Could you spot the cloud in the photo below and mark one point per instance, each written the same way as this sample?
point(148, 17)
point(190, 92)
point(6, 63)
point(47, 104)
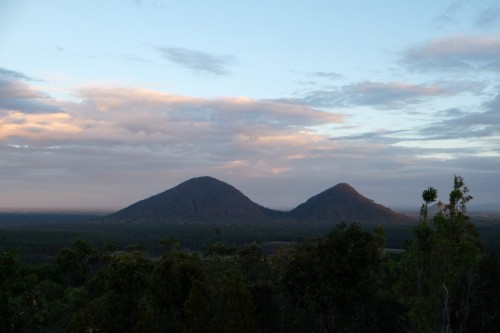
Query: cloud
point(114, 117)
point(379, 136)
point(456, 124)
point(199, 62)
point(10, 74)
point(18, 96)
point(458, 53)
point(391, 95)
point(484, 14)
point(118, 145)
point(448, 17)
point(327, 75)
point(177, 108)
point(488, 17)
point(443, 21)
point(318, 79)
point(31, 129)
point(450, 134)
point(276, 168)
point(114, 133)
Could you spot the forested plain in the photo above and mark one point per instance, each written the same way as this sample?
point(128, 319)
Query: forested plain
point(68, 273)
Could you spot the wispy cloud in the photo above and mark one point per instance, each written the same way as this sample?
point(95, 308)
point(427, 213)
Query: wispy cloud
point(458, 131)
point(199, 62)
point(484, 14)
point(488, 17)
point(318, 79)
point(458, 53)
point(10, 74)
point(391, 95)
point(455, 124)
point(448, 17)
point(326, 75)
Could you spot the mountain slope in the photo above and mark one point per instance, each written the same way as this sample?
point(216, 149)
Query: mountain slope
point(343, 203)
point(202, 199)
point(208, 200)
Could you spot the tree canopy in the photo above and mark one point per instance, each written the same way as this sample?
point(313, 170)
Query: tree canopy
point(344, 281)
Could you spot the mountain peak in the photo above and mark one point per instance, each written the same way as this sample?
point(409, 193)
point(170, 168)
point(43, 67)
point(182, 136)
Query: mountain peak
point(343, 203)
point(204, 184)
point(208, 200)
point(200, 199)
point(202, 180)
point(344, 187)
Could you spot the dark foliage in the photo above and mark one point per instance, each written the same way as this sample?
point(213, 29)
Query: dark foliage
point(344, 281)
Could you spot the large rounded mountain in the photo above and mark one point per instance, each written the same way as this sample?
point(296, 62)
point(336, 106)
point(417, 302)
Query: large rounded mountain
point(343, 203)
point(198, 200)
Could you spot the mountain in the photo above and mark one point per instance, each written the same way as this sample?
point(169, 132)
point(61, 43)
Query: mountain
point(343, 203)
point(198, 200)
point(208, 200)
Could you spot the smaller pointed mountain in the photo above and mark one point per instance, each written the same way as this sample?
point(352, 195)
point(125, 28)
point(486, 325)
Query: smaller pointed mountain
point(343, 203)
point(198, 200)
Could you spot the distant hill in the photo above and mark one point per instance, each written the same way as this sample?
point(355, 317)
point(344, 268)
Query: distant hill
point(343, 203)
point(198, 200)
point(208, 200)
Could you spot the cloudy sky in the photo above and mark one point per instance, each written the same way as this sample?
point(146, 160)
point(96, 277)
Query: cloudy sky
point(103, 103)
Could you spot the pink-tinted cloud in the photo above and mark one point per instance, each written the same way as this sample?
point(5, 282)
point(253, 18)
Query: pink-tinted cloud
point(128, 117)
point(118, 145)
point(114, 133)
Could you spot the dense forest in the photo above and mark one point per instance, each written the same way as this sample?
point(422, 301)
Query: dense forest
point(444, 281)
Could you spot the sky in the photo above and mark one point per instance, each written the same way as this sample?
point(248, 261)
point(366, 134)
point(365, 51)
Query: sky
point(107, 102)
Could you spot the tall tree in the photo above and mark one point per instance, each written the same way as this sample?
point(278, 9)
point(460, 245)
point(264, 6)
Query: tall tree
point(440, 269)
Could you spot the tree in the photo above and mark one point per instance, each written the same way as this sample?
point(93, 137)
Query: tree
point(440, 270)
point(170, 287)
point(229, 282)
point(117, 291)
point(333, 283)
point(231, 301)
point(197, 309)
point(78, 263)
point(459, 197)
point(8, 269)
point(429, 196)
point(256, 270)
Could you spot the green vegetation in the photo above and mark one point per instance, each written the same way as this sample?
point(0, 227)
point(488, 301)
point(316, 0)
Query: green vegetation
point(214, 278)
point(445, 280)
